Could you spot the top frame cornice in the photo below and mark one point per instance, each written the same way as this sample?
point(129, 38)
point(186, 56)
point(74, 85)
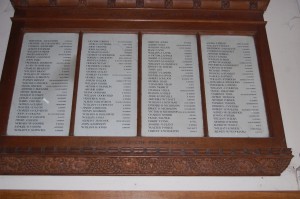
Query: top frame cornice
point(158, 4)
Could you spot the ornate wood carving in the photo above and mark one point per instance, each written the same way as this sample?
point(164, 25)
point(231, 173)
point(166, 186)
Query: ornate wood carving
point(253, 5)
point(111, 3)
point(168, 3)
point(139, 3)
point(53, 2)
point(19, 2)
point(225, 4)
point(197, 4)
point(82, 2)
point(143, 161)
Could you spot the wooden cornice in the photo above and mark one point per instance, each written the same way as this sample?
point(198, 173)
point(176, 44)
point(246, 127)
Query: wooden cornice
point(158, 4)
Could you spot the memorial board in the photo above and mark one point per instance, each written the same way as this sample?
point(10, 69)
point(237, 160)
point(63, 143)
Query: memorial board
point(42, 99)
point(234, 98)
point(146, 64)
point(171, 99)
point(107, 91)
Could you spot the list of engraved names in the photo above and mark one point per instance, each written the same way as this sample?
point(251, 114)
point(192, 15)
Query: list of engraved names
point(235, 103)
point(107, 91)
point(43, 91)
point(171, 99)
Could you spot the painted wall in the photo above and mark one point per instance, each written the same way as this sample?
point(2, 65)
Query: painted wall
point(283, 29)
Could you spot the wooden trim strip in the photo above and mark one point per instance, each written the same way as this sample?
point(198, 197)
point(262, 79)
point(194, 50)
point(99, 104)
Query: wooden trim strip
point(202, 86)
point(165, 4)
point(149, 194)
point(139, 92)
point(76, 79)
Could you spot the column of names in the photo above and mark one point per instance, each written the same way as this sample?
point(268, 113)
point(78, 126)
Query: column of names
point(235, 103)
point(171, 100)
point(43, 91)
point(107, 91)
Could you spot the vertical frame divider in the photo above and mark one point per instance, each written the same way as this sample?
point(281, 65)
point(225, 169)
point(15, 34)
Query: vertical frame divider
point(8, 81)
point(75, 90)
point(139, 94)
point(202, 86)
point(262, 73)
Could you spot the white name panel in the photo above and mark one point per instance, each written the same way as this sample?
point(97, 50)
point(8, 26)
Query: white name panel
point(171, 99)
point(107, 91)
point(42, 98)
point(234, 98)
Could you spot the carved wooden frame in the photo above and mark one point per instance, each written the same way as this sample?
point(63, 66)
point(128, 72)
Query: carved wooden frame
point(143, 156)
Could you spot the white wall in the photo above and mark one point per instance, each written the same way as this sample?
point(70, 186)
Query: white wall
point(283, 29)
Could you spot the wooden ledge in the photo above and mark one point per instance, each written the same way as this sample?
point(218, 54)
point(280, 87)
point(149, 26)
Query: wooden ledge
point(148, 194)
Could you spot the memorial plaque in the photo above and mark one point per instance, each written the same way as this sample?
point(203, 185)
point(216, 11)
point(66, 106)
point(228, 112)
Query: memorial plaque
point(171, 99)
point(42, 98)
point(234, 98)
point(107, 91)
point(138, 74)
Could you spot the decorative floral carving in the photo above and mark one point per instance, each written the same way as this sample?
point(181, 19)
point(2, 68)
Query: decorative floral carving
point(196, 3)
point(204, 164)
point(19, 2)
point(225, 4)
point(111, 3)
point(139, 3)
point(253, 5)
point(82, 3)
point(245, 165)
point(268, 165)
point(168, 3)
point(53, 2)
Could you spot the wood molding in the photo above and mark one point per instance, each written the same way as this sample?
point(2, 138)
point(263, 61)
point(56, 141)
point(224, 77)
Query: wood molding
point(167, 4)
point(149, 194)
point(143, 161)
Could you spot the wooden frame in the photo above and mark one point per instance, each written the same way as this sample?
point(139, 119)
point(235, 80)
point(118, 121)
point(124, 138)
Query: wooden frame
point(143, 155)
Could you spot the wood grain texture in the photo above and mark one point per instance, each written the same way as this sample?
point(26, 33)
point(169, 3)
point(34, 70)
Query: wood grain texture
point(148, 194)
